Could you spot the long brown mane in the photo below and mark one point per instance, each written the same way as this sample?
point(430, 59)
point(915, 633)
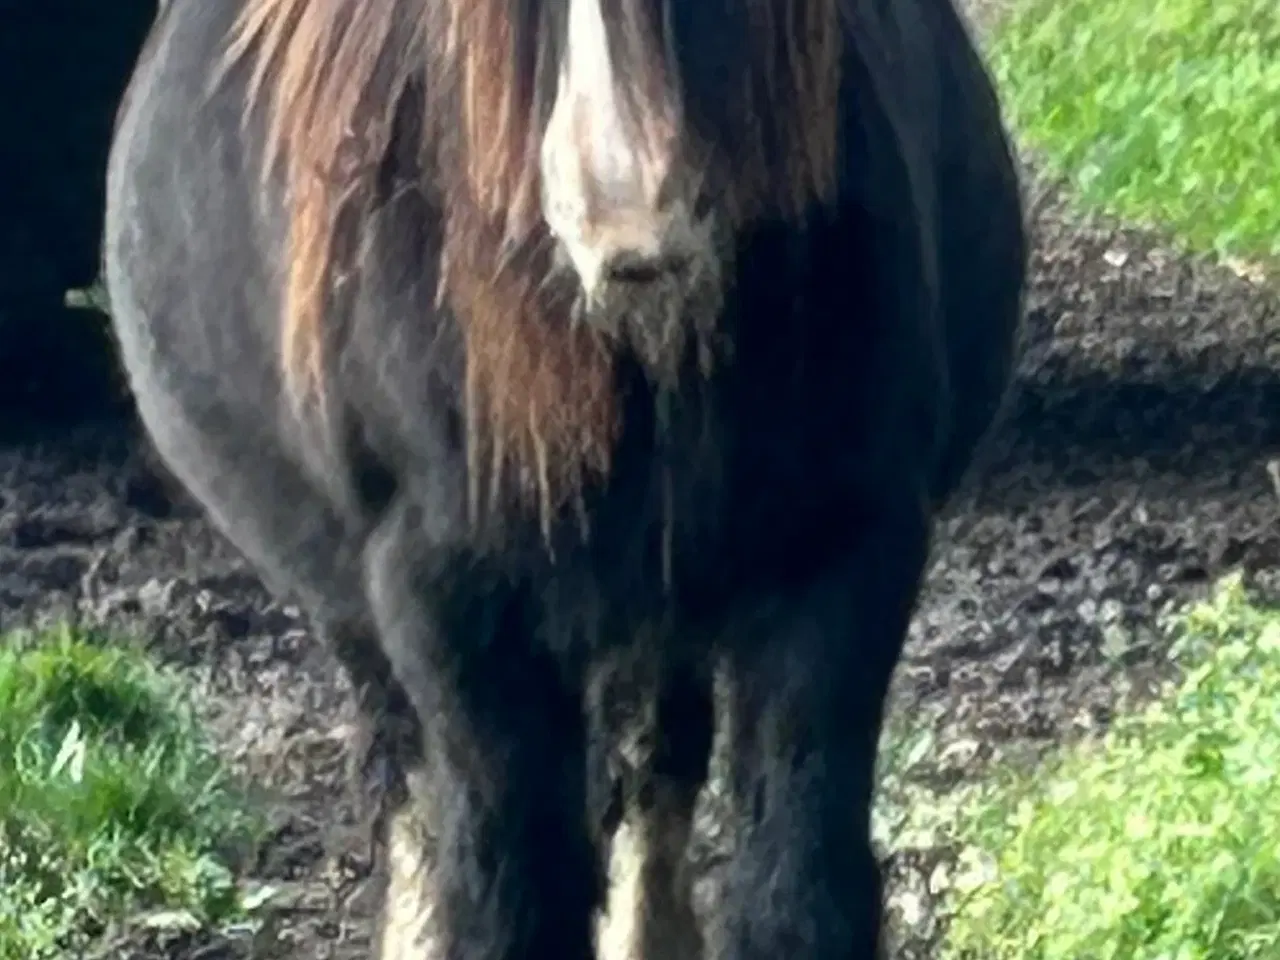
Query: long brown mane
point(333, 76)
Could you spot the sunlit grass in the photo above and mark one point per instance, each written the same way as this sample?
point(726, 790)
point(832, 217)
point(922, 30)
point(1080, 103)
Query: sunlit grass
point(1160, 841)
point(112, 805)
point(1163, 112)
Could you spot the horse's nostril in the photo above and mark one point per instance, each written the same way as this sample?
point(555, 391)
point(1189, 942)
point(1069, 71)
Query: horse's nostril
point(636, 268)
point(635, 271)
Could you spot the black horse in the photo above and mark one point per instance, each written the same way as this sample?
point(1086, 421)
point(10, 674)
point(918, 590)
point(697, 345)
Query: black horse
point(550, 351)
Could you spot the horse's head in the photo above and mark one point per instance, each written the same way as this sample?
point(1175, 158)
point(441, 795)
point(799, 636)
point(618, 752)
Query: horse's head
point(672, 123)
point(594, 161)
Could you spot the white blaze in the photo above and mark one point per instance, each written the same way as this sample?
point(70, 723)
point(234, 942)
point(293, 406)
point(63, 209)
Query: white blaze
point(600, 173)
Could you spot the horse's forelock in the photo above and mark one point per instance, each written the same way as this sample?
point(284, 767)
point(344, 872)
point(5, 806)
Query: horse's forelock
point(775, 117)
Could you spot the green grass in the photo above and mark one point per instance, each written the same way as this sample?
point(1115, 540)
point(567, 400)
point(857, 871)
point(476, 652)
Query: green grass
point(112, 806)
point(1160, 841)
point(1163, 112)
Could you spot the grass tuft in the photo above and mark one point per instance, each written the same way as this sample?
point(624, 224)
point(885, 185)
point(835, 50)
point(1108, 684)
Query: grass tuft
point(1160, 841)
point(112, 804)
point(1162, 112)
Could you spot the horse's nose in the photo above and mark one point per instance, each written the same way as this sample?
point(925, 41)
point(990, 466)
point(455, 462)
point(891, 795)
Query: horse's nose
point(613, 214)
point(609, 163)
point(619, 226)
point(635, 266)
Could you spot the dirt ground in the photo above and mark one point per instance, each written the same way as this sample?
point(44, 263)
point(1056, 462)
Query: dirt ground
point(1131, 471)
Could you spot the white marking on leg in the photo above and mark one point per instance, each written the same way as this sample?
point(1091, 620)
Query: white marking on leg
point(649, 913)
point(408, 928)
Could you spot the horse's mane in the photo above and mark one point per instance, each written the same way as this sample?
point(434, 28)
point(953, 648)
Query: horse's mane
point(335, 75)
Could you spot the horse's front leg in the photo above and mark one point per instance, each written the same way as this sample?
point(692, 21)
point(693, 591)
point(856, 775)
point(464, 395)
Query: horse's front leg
point(808, 672)
point(502, 792)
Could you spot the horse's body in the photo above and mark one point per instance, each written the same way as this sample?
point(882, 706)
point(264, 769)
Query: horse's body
point(498, 513)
